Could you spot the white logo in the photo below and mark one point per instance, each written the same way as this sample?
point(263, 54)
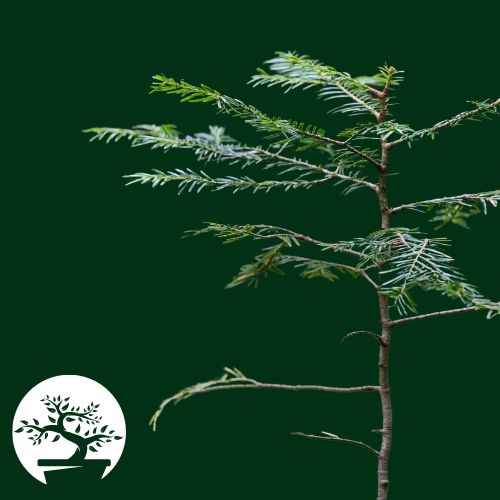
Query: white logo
point(69, 428)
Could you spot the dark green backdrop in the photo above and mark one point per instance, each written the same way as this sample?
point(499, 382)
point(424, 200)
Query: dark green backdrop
point(97, 281)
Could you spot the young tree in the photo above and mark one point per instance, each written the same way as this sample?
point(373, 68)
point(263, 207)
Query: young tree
point(393, 260)
point(61, 412)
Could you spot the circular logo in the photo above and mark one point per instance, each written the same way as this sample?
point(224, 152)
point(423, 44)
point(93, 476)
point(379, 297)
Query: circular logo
point(69, 429)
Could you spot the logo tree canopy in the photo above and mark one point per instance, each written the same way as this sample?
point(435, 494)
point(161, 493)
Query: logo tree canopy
point(80, 426)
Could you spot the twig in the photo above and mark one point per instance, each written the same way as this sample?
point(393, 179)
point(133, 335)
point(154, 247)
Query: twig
point(448, 199)
point(303, 237)
point(325, 171)
point(443, 124)
point(331, 437)
point(435, 314)
point(344, 145)
point(373, 111)
point(354, 270)
point(363, 332)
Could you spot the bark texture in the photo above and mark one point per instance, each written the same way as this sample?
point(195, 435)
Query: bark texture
point(385, 319)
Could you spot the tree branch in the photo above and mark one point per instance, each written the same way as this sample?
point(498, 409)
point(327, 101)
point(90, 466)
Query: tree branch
point(344, 145)
point(461, 199)
point(190, 180)
point(231, 233)
point(332, 437)
point(97, 437)
point(234, 379)
point(435, 314)
point(325, 171)
point(55, 405)
point(60, 411)
point(484, 108)
point(248, 113)
point(262, 385)
point(364, 332)
point(82, 415)
point(335, 265)
point(346, 91)
point(39, 429)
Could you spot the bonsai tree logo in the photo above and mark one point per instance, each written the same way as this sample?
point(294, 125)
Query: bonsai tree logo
point(73, 432)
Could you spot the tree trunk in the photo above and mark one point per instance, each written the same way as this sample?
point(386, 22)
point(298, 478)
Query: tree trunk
point(385, 390)
point(385, 398)
point(80, 453)
point(78, 441)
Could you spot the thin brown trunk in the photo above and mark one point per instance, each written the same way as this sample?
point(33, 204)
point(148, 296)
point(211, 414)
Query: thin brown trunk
point(385, 318)
point(385, 397)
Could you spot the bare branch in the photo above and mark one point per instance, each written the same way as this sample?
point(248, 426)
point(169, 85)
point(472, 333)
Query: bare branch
point(326, 436)
point(234, 379)
point(438, 313)
point(363, 332)
point(286, 387)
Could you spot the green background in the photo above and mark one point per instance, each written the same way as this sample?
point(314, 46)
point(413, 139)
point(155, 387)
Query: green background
point(97, 281)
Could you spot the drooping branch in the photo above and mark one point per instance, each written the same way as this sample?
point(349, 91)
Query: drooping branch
point(235, 379)
point(326, 436)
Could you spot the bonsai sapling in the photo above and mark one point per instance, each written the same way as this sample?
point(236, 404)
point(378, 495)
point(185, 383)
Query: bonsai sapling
point(393, 260)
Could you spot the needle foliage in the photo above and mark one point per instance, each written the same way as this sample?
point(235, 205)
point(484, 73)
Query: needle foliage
point(393, 259)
